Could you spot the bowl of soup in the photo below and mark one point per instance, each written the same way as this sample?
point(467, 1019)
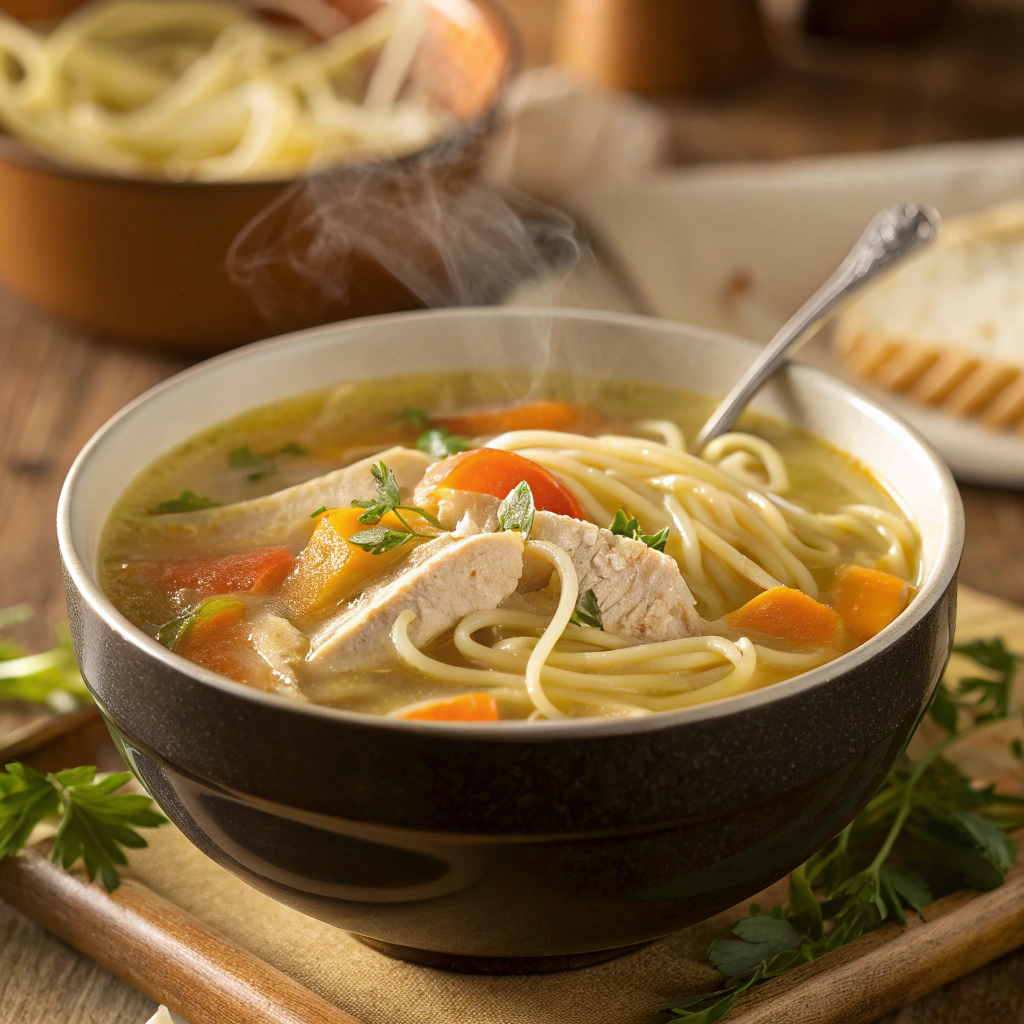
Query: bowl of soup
point(430, 626)
point(197, 176)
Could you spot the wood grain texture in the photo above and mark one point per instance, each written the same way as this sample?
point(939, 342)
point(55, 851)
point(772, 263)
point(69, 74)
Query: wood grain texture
point(57, 387)
point(159, 949)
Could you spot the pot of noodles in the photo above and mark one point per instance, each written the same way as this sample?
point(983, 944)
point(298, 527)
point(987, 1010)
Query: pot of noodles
point(197, 174)
point(432, 627)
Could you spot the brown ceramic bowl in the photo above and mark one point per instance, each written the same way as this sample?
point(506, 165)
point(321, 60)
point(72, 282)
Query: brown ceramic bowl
point(207, 266)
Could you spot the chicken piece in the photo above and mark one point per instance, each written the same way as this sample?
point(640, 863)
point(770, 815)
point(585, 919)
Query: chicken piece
point(283, 518)
point(282, 647)
point(467, 513)
point(640, 592)
point(444, 580)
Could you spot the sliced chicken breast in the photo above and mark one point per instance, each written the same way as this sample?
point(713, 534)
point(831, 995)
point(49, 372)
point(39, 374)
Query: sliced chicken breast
point(441, 582)
point(641, 592)
point(284, 516)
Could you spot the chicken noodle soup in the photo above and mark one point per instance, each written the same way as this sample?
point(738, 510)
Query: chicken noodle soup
point(430, 548)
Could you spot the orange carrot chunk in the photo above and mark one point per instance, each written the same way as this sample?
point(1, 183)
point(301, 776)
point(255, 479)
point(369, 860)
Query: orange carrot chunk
point(788, 614)
point(260, 571)
point(210, 634)
point(497, 472)
point(526, 416)
point(467, 707)
point(867, 600)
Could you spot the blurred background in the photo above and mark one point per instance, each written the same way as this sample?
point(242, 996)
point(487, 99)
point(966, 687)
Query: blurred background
point(180, 178)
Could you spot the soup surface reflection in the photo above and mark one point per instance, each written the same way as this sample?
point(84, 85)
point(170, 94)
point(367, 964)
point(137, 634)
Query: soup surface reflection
point(462, 548)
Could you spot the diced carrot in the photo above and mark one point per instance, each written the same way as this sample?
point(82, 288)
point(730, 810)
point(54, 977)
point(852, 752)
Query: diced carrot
point(329, 569)
point(867, 600)
point(497, 472)
point(788, 614)
point(467, 707)
point(525, 416)
point(260, 571)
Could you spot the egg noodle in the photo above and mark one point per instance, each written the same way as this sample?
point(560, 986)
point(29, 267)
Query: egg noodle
point(209, 90)
point(732, 530)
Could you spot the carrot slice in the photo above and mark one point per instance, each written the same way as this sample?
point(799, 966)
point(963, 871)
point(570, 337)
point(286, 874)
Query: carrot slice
point(526, 416)
point(789, 614)
point(467, 707)
point(867, 600)
point(497, 472)
point(260, 571)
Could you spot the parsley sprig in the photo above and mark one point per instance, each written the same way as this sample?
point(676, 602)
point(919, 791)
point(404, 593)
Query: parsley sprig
point(587, 612)
point(45, 678)
point(517, 510)
point(187, 501)
point(388, 500)
point(927, 832)
point(262, 466)
point(95, 821)
point(629, 526)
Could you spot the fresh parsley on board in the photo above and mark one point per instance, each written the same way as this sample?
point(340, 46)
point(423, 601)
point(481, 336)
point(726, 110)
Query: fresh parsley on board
point(927, 832)
point(95, 822)
point(45, 678)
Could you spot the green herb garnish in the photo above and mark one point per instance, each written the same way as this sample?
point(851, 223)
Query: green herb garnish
point(927, 832)
point(388, 500)
point(319, 512)
point(41, 678)
point(587, 613)
point(172, 633)
point(262, 465)
point(187, 501)
point(414, 419)
point(440, 443)
point(516, 512)
point(95, 820)
point(629, 526)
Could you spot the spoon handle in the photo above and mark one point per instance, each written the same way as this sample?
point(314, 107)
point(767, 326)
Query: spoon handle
point(893, 235)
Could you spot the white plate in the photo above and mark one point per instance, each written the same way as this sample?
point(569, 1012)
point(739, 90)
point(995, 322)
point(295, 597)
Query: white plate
point(738, 247)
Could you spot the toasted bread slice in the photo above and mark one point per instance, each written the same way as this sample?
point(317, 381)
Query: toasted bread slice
point(948, 328)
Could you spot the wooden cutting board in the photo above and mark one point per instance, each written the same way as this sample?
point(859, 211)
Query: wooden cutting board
point(171, 953)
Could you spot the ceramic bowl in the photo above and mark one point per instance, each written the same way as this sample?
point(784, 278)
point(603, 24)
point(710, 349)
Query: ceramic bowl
point(202, 267)
point(514, 846)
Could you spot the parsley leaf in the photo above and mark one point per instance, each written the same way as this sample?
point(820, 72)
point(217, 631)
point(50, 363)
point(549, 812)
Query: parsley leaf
point(929, 831)
point(187, 501)
point(262, 465)
point(440, 443)
point(294, 448)
point(319, 512)
point(629, 526)
point(379, 539)
point(96, 822)
point(516, 512)
point(387, 501)
point(44, 678)
point(587, 612)
point(414, 418)
point(243, 458)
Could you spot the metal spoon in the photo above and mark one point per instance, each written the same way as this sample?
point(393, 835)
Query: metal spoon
point(893, 235)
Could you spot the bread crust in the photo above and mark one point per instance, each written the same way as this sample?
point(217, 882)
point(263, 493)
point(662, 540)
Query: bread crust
point(944, 376)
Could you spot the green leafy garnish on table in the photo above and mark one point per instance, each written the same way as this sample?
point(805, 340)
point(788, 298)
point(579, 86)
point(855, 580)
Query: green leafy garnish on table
point(388, 500)
point(187, 501)
point(37, 677)
point(927, 832)
point(629, 526)
point(94, 821)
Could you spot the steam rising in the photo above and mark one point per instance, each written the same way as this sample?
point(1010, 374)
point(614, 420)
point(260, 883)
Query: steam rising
point(441, 240)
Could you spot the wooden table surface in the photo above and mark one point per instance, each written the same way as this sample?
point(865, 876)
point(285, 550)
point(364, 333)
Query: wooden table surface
point(57, 386)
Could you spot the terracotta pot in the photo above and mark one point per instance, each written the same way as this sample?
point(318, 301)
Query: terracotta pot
point(205, 267)
point(660, 46)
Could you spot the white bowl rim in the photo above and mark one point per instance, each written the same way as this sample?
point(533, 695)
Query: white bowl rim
point(931, 590)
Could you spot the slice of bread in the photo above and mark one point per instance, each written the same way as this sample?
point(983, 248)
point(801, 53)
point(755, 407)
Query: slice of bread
point(948, 328)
